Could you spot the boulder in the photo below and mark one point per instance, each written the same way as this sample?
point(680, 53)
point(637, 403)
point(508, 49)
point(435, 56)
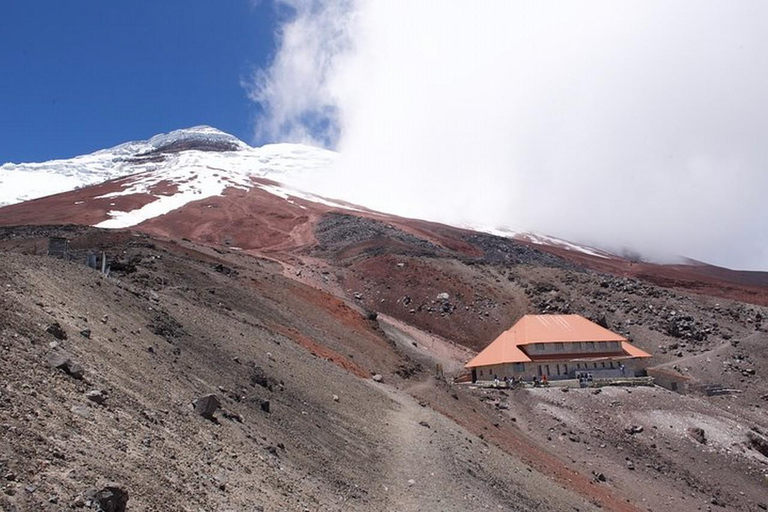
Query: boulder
point(112, 498)
point(377, 378)
point(758, 441)
point(260, 378)
point(63, 362)
point(97, 395)
point(697, 434)
point(206, 405)
point(57, 331)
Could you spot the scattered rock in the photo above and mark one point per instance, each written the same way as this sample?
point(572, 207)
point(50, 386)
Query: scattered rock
point(630, 465)
point(233, 416)
point(97, 395)
point(634, 429)
point(265, 405)
point(81, 410)
point(600, 477)
point(57, 331)
point(758, 441)
point(259, 377)
point(377, 378)
point(697, 434)
point(63, 362)
point(86, 333)
point(111, 498)
point(443, 296)
point(335, 398)
point(206, 405)
point(424, 424)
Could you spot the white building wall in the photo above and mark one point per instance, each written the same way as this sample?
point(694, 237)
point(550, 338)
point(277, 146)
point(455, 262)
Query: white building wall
point(566, 369)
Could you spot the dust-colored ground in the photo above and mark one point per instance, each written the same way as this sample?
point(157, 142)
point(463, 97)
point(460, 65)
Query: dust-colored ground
point(180, 321)
point(303, 318)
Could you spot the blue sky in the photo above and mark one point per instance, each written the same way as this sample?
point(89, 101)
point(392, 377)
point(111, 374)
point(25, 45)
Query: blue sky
point(88, 74)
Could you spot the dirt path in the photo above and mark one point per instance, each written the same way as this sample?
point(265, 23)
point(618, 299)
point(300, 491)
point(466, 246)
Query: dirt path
point(433, 464)
point(426, 346)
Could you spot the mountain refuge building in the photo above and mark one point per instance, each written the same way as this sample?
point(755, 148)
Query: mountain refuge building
point(560, 347)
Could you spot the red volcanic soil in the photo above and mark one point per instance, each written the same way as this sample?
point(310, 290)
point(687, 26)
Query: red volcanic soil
point(82, 206)
point(259, 222)
point(247, 219)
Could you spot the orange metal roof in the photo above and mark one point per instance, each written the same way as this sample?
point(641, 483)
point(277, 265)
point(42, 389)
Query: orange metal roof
point(546, 329)
point(633, 350)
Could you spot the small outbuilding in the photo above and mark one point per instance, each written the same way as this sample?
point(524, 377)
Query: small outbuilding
point(558, 347)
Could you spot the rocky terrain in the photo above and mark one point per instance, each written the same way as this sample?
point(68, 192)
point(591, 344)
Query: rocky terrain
point(256, 350)
point(321, 360)
point(100, 375)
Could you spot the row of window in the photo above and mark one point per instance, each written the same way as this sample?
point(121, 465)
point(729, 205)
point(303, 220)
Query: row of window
point(545, 369)
point(581, 347)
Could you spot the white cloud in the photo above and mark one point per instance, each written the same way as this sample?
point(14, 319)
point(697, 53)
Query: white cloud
point(636, 124)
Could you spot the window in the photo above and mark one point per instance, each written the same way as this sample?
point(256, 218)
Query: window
point(576, 346)
point(519, 367)
point(481, 373)
point(603, 364)
point(539, 347)
point(559, 347)
point(590, 345)
point(615, 345)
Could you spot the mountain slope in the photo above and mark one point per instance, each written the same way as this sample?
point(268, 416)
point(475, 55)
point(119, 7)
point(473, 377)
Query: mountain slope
point(225, 280)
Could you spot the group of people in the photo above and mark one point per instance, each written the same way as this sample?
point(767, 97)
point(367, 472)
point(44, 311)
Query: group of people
point(585, 378)
point(505, 382)
point(508, 382)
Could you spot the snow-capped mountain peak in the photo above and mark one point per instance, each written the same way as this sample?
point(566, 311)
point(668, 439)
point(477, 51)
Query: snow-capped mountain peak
point(199, 147)
point(201, 138)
